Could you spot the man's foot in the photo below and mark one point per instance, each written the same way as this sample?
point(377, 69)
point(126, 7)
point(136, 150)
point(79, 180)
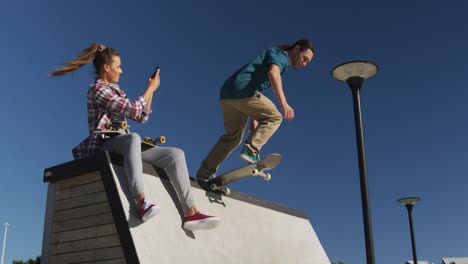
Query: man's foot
point(249, 157)
point(148, 210)
point(208, 178)
point(204, 183)
point(201, 221)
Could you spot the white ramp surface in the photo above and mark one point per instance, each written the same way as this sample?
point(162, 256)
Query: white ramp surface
point(252, 230)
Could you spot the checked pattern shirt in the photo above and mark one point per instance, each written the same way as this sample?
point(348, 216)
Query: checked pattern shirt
point(107, 103)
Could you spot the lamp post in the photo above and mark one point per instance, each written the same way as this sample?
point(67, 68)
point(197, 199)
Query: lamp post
point(4, 241)
point(354, 73)
point(409, 202)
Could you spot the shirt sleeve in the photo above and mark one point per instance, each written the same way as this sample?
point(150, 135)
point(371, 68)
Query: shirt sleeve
point(278, 57)
point(115, 103)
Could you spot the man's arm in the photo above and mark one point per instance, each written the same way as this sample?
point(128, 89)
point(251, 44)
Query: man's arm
point(274, 74)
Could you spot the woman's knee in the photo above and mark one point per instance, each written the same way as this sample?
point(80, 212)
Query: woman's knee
point(133, 143)
point(176, 154)
point(134, 138)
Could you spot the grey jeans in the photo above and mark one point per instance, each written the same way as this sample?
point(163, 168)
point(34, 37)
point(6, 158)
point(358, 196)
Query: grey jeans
point(171, 160)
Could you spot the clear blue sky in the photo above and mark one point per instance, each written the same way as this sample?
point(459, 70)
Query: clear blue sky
point(414, 110)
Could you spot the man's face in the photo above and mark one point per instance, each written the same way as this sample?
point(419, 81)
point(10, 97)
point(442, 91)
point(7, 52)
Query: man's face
point(301, 58)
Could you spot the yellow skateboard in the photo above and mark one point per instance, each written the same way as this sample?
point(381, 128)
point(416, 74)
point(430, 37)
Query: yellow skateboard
point(119, 128)
point(151, 142)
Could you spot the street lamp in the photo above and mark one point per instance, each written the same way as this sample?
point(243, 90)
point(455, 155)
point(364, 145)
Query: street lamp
point(4, 241)
point(409, 203)
point(354, 73)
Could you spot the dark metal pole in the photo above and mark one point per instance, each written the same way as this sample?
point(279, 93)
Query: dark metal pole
point(409, 207)
point(355, 84)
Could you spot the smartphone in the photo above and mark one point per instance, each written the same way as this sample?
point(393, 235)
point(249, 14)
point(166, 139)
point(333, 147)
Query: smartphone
point(154, 73)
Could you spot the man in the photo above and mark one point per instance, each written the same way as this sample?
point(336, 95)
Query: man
point(241, 98)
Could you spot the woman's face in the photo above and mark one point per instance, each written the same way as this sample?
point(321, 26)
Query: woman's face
point(113, 70)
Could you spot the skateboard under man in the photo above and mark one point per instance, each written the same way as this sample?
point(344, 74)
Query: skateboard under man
point(118, 128)
point(255, 169)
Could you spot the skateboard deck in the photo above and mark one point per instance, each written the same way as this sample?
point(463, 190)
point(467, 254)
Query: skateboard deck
point(254, 169)
point(118, 128)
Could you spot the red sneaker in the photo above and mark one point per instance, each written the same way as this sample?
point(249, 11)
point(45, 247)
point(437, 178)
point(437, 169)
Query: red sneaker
point(148, 210)
point(201, 221)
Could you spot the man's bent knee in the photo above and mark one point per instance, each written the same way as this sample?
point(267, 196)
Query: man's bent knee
point(276, 118)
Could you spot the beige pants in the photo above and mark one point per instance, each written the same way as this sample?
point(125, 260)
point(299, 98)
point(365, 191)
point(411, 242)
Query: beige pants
point(236, 114)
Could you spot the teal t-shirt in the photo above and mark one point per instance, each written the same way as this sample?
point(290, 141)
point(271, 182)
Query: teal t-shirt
point(253, 77)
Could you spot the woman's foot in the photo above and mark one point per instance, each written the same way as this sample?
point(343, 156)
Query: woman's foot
point(201, 221)
point(148, 210)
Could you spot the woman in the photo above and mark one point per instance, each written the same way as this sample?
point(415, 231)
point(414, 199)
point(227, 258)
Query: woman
point(108, 103)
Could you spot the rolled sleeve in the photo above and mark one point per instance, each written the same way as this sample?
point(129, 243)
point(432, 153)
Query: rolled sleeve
point(146, 110)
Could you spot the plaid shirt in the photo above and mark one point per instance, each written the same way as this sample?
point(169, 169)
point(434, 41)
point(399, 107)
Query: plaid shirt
point(107, 103)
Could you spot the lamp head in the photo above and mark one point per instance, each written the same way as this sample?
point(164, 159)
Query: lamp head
point(409, 200)
point(363, 69)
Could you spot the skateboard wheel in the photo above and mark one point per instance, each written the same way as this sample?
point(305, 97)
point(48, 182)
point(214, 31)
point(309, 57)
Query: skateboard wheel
point(267, 177)
point(227, 191)
point(124, 124)
point(162, 139)
point(255, 172)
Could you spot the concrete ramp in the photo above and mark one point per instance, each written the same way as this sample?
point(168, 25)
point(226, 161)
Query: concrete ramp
point(90, 218)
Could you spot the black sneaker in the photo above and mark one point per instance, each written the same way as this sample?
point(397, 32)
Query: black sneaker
point(204, 183)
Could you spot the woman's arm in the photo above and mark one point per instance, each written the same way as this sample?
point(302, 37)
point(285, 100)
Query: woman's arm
point(137, 110)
